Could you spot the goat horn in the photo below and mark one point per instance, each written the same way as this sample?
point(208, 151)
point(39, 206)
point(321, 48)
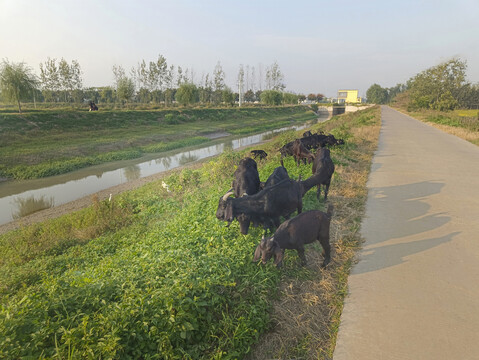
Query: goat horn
point(227, 195)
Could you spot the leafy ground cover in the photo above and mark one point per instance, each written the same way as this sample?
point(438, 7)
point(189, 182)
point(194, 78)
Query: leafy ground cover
point(50, 142)
point(153, 273)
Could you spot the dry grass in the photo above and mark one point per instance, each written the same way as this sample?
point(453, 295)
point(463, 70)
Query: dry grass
point(306, 316)
point(471, 136)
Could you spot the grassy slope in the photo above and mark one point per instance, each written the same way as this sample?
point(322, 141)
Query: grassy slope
point(155, 272)
point(45, 143)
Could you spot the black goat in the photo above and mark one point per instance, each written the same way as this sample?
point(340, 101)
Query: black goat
point(279, 174)
point(246, 178)
point(300, 152)
point(261, 154)
point(265, 207)
point(93, 107)
point(294, 234)
point(323, 169)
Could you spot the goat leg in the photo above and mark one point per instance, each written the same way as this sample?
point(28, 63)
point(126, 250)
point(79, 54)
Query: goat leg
point(326, 251)
point(326, 189)
point(300, 251)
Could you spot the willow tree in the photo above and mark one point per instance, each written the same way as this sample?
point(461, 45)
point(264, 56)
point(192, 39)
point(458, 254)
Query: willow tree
point(17, 82)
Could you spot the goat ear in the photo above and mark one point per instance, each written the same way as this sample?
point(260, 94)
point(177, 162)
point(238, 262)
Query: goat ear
point(229, 211)
point(257, 253)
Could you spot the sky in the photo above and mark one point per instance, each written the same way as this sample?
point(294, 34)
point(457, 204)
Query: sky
point(320, 46)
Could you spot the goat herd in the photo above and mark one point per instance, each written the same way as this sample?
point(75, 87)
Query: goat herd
point(264, 203)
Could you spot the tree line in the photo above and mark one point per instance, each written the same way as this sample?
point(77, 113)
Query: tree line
point(149, 82)
point(443, 87)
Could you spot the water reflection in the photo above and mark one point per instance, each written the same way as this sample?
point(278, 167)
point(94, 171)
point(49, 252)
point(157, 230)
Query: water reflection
point(132, 172)
point(44, 193)
point(165, 161)
point(187, 158)
point(30, 204)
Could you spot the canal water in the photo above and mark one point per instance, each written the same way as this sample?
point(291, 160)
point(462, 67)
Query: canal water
point(21, 198)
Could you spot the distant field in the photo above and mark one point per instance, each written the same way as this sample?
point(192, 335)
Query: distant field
point(50, 142)
point(467, 113)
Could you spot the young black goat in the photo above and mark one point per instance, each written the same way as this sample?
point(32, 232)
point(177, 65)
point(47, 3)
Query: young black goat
point(294, 234)
point(323, 169)
point(261, 154)
point(246, 178)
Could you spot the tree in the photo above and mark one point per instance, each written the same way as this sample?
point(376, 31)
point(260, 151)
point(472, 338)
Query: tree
point(50, 79)
point(228, 96)
point(377, 95)
point(206, 90)
point(118, 73)
point(431, 88)
point(187, 94)
point(169, 79)
point(241, 84)
point(249, 96)
point(125, 89)
point(274, 78)
point(69, 77)
point(468, 96)
point(218, 83)
point(394, 91)
point(271, 97)
point(289, 98)
point(17, 82)
point(107, 94)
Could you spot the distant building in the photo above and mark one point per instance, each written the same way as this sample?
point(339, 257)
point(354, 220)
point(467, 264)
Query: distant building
point(349, 96)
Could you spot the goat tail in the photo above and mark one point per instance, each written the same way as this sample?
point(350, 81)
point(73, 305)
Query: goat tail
point(282, 160)
point(330, 210)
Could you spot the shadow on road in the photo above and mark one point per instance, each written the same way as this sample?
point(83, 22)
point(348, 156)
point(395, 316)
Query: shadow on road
point(398, 222)
point(385, 256)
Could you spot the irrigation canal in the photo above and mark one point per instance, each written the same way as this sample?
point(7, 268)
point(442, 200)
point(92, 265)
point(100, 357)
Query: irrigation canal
point(21, 198)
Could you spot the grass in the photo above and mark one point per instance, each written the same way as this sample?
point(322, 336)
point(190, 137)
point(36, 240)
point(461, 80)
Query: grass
point(154, 274)
point(462, 123)
point(44, 143)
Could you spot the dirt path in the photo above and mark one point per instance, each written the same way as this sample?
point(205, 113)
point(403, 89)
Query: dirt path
point(414, 292)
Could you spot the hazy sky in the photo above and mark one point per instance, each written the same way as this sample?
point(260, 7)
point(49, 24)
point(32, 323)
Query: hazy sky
point(320, 46)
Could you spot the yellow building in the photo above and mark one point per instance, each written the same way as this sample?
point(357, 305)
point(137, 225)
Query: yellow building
point(348, 96)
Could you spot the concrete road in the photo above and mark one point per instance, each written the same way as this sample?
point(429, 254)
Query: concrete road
point(414, 293)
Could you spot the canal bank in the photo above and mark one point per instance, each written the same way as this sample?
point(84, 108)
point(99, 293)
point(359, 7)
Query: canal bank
point(71, 192)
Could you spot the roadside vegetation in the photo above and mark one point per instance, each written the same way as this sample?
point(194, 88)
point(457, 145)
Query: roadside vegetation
point(463, 123)
point(441, 96)
point(154, 274)
point(50, 142)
